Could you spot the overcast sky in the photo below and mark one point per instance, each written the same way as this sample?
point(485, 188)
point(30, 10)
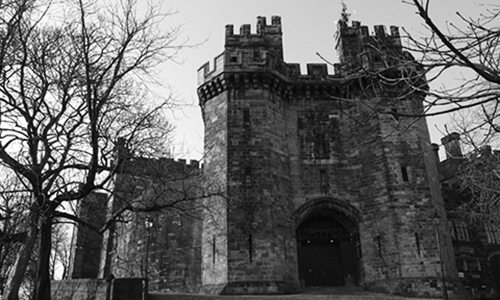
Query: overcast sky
point(308, 27)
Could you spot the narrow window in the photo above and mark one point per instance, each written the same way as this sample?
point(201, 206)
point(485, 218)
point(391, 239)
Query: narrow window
point(284, 250)
point(492, 233)
point(256, 55)
point(323, 181)
point(379, 245)
point(417, 241)
point(473, 265)
point(461, 265)
point(250, 250)
point(259, 78)
point(452, 230)
point(246, 115)
point(248, 171)
point(310, 150)
point(460, 231)
point(213, 249)
point(404, 174)
point(167, 240)
point(248, 175)
point(172, 240)
point(321, 146)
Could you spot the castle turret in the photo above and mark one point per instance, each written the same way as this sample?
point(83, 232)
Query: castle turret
point(357, 49)
point(451, 145)
point(268, 37)
point(245, 241)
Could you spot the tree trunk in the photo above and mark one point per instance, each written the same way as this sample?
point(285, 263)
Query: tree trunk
point(42, 285)
point(11, 291)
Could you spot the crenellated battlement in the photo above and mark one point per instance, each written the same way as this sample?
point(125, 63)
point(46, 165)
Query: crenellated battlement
point(262, 51)
point(166, 162)
point(207, 73)
point(359, 49)
point(268, 62)
point(288, 81)
point(255, 60)
point(270, 73)
point(160, 167)
point(267, 37)
point(262, 28)
point(246, 48)
point(137, 162)
point(380, 34)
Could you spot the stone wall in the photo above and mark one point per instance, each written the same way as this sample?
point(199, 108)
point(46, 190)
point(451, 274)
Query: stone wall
point(261, 237)
point(80, 289)
point(476, 247)
point(160, 237)
point(86, 243)
point(362, 166)
point(98, 289)
point(214, 234)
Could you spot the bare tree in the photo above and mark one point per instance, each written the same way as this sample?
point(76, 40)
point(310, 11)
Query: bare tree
point(478, 181)
point(71, 87)
point(13, 222)
point(423, 62)
point(469, 48)
point(150, 192)
point(60, 258)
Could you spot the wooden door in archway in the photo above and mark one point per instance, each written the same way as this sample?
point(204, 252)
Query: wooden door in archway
point(320, 252)
point(320, 263)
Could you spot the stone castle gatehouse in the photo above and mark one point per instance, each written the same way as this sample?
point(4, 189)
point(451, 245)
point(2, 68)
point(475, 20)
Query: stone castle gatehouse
point(325, 184)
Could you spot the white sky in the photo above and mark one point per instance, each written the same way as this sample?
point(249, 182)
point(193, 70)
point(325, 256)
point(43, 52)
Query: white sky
point(308, 27)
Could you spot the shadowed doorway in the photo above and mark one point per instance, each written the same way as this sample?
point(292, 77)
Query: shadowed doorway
point(326, 253)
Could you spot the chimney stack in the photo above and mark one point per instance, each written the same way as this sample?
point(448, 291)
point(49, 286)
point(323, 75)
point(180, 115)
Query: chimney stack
point(451, 145)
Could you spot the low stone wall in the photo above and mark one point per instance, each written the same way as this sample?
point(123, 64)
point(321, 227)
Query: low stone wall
point(98, 289)
point(127, 289)
point(79, 289)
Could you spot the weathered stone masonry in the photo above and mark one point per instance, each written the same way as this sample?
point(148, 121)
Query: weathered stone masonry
point(316, 164)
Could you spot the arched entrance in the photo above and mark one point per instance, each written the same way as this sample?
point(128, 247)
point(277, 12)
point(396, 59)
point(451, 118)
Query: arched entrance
point(327, 243)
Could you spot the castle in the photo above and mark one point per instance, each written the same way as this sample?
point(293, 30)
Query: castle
point(323, 187)
point(323, 182)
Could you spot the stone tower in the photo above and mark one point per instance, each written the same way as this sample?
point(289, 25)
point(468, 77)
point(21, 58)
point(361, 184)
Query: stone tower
point(325, 182)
